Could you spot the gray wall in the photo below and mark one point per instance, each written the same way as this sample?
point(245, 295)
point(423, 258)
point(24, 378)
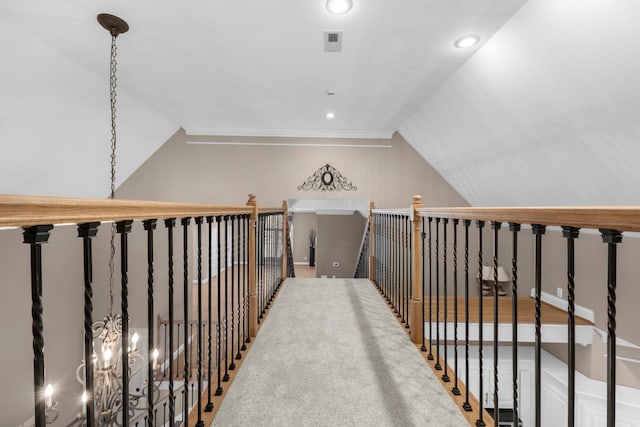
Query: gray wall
point(302, 223)
point(339, 238)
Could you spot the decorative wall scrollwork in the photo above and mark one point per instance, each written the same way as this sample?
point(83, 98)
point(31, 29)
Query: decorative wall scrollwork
point(327, 178)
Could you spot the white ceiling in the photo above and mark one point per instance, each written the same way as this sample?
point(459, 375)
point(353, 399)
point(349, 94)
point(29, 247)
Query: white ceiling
point(246, 67)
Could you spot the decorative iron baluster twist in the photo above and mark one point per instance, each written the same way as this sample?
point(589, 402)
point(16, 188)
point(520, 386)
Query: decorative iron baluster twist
point(238, 284)
point(496, 412)
point(123, 228)
point(611, 238)
point(466, 405)
point(247, 340)
point(226, 377)
point(232, 365)
point(87, 232)
point(480, 421)
point(209, 406)
point(538, 230)
point(170, 224)
point(514, 228)
point(438, 366)
point(423, 235)
point(35, 237)
point(455, 390)
point(430, 355)
point(199, 220)
point(185, 305)
point(445, 221)
point(149, 226)
point(571, 233)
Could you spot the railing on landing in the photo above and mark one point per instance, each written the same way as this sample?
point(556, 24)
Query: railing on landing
point(409, 265)
point(250, 265)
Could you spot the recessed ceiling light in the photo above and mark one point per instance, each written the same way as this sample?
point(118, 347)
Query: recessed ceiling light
point(467, 41)
point(330, 115)
point(339, 7)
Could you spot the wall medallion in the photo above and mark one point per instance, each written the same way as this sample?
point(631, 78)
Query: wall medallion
point(327, 178)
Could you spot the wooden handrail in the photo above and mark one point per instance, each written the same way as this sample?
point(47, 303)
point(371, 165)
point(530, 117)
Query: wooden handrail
point(22, 211)
point(609, 217)
point(270, 210)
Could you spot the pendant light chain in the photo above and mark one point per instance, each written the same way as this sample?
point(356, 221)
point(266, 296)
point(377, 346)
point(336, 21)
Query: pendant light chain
point(113, 84)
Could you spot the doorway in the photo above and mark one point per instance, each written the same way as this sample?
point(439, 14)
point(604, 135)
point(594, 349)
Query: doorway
point(334, 228)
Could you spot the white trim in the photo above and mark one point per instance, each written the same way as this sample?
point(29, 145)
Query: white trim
point(619, 341)
point(301, 263)
point(287, 144)
point(563, 305)
point(304, 133)
point(624, 359)
point(551, 333)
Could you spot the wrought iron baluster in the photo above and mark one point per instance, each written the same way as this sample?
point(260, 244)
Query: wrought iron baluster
point(409, 226)
point(219, 390)
point(571, 233)
point(455, 390)
point(123, 228)
point(514, 228)
point(226, 377)
point(438, 366)
point(149, 226)
point(423, 235)
point(538, 231)
point(239, 283)
point(430, 355)
point(209, 406)
point(87, 232)
point(496, 412)
point(199, 220)
point(185, 305)
point(445, 221)
point(232, 365)
point(480, 421)
point(247, 340)
point(611, 238)
point(35, 237)
point(170, 224)
point(466, 405)
point(407, 266)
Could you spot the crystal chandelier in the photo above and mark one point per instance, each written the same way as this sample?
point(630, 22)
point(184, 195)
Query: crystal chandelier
point(108, 339)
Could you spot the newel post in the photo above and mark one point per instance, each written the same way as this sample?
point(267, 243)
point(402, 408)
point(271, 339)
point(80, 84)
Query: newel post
point(372, 259)
point(415, 307)
point(253, 298)
point(285, 230)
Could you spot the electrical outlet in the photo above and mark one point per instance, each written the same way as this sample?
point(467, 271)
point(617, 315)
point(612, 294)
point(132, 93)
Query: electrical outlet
point(559, 292)
point(336, 264)
point(305, 258)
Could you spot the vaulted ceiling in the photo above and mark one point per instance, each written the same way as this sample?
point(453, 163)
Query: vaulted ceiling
point(541, 112)
point(224, 68)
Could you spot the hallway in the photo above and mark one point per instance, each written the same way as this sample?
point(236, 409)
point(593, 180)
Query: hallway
point(330, 353)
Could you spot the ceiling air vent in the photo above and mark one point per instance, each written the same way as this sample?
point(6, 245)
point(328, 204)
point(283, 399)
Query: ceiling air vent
point(333, 41)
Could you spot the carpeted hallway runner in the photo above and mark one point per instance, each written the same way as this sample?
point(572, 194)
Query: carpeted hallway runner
point(331, 353)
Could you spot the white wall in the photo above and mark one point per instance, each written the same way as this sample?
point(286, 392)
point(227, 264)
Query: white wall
point(545, 112)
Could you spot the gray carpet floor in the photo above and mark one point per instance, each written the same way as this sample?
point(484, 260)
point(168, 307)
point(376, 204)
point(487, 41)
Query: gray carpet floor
point(330, 353)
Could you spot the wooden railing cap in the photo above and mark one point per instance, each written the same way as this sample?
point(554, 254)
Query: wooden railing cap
point(620, 218)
